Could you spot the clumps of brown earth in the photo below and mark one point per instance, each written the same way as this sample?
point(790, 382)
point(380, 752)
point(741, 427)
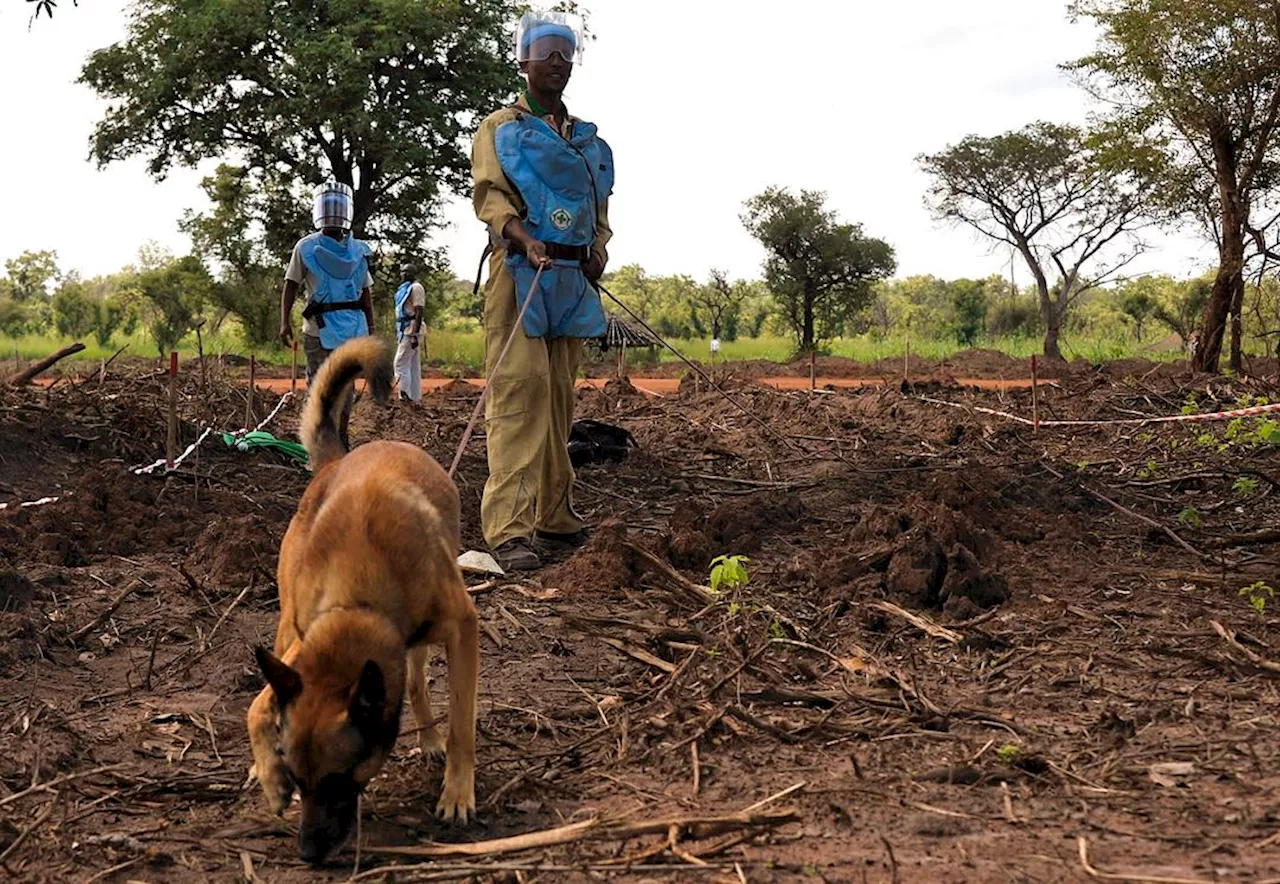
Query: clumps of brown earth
point(107, 513)
point(736, 527)
point(923, 554)
point(235, 552)
point(602, 568)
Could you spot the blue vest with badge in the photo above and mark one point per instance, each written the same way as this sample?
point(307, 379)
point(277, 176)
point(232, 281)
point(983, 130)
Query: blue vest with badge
point(340, 268)
point(562, 182)
point(404, 317)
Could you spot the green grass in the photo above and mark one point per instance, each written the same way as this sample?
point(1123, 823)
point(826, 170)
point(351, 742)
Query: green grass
point(32, 347)
point(460, 349)
point(450, 348)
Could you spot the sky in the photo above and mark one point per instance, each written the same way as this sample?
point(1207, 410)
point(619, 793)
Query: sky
point(704, 102)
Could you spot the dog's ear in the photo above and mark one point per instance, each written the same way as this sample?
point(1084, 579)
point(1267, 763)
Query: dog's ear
point(284, 680)
point(369, 696)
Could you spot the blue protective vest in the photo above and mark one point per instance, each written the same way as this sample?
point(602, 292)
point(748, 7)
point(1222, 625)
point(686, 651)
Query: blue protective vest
point(404, 319)
point(340, 269)
point(562, 182)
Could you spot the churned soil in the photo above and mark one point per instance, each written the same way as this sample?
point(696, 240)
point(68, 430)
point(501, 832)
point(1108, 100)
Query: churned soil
point(965, 652)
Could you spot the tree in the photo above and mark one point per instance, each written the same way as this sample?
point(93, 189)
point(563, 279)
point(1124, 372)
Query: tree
point(1194, 92)
point(715, 305)
point(1046, 193)
point(635, 287)
point(821, 272)
point(1181, 304)
point(74, 308)
point(250, 274)
point(31, 274)
point(380, 94)
point(175, 292)
point(1140, 298)
point(968, 309)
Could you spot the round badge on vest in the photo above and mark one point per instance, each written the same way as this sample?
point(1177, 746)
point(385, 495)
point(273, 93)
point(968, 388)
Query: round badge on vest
point(562, 219)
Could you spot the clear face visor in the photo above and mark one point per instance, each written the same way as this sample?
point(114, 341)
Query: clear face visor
point(332, 207)
point(543, 34)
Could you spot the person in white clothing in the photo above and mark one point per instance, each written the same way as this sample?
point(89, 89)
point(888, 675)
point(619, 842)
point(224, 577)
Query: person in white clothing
point(411, 301)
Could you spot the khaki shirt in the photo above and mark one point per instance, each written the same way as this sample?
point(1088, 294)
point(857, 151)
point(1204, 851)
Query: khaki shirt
point(496, 201)
point(300, 273)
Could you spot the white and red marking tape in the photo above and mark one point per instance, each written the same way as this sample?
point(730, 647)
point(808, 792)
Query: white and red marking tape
point(1130, 421)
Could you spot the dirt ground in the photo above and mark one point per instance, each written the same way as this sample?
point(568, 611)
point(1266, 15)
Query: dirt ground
point(965, 652)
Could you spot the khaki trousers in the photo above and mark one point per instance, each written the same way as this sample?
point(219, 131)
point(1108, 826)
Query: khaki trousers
point(528, 417)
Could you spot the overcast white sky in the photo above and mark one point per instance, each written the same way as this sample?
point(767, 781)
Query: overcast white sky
point(704, 102)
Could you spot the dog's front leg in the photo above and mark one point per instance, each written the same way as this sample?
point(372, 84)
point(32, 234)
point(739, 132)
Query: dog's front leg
point(462, 653)
point(420, 698)
point(267, 765)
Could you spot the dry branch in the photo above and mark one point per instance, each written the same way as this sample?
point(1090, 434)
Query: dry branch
point(1149, 522)
point(702, 594)
point(1254, 658)
point(640, 654)
point(45, 787)
point(25, 377)
point(700, 826)
point(920, 622)
point(1083, 844)
point(101, 618)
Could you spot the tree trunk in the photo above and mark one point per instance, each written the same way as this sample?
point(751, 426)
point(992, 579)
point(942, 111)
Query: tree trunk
point(1051, 349)
point(1230, 279)
point(1228, 283)
point(806, 343)
point(1237, 331)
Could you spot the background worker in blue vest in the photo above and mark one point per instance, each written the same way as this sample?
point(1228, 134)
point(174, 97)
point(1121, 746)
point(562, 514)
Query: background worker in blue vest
point(332, 266)
point(542, 180)
point(411, 302)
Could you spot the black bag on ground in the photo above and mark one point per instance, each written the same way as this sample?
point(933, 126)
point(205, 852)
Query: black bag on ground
point(593, 442)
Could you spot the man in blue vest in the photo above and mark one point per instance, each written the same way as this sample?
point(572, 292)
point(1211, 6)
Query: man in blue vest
point(542, 181)
point(411, 302)
point(332, 268)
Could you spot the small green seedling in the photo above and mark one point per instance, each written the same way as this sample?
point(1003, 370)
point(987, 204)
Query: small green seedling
point(729, 572)
point(1190, 517)
point(1245, 486)
point(1008, 753)
point(1258, 592)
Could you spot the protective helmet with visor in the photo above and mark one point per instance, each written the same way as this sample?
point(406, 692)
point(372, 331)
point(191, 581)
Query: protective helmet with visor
point(333, 206)
point(542, 34)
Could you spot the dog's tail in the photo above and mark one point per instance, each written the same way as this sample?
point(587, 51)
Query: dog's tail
point(328, 395)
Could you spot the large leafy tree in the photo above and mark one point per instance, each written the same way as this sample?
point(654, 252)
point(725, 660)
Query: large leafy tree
point(1043, 191)
point(821, 271)
point(380, 94)
point(31, 275)
point(715, 307)
point(249, 265)
point(1193, 90)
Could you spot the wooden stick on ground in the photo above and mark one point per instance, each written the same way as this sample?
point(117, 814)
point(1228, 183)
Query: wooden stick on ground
point(25, 377)
point(594, 829)
point(1083, 844)
point(1151, 522)
point(701, 593)
point(35, 824)
point(101, 618)
point(45, 787)
point(921, 622)
point(1254, 658)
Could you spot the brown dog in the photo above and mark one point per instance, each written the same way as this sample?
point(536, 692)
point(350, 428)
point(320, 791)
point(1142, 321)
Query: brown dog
point(368, 580)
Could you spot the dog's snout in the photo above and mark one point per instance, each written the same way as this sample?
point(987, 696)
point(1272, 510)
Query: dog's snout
point(324, 830)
